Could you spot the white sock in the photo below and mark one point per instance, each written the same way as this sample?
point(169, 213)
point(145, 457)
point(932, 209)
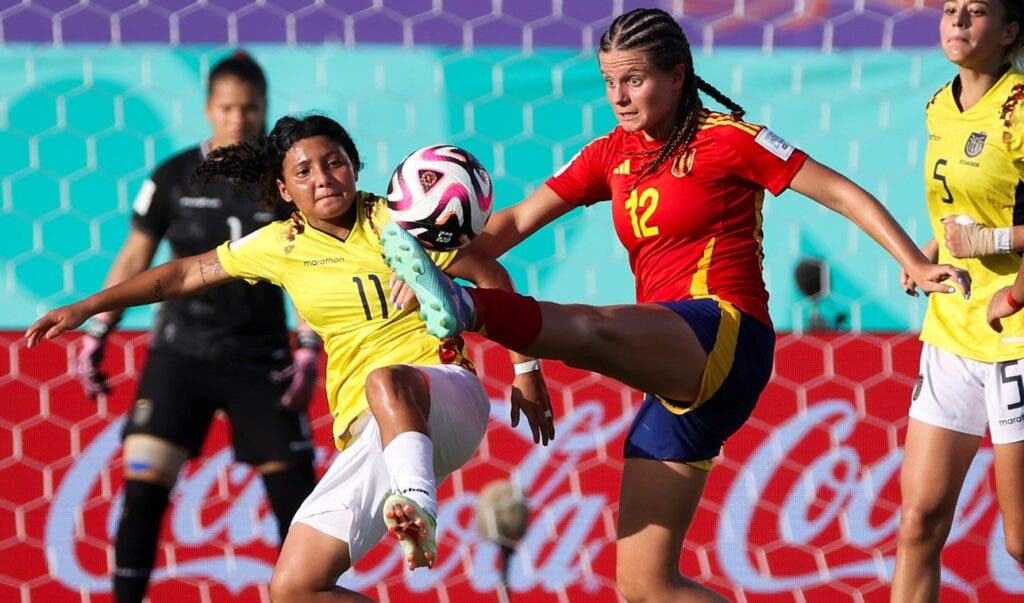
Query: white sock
point(409, 459)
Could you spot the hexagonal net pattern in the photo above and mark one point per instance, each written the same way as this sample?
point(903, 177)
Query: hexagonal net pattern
point(95, 94)
point(803, 503)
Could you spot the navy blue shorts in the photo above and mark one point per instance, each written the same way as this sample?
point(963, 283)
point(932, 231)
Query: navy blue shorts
point(741, 351)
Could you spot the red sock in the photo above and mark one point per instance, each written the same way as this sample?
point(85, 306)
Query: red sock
point(507, 318)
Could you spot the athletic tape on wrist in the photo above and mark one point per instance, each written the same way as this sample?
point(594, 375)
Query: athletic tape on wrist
point(1002, 239)
point(529, 366)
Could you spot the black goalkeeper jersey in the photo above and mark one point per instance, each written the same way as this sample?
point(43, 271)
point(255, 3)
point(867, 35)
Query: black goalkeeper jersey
point(235, 321)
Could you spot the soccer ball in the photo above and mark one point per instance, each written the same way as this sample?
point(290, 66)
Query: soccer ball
point(441, 195)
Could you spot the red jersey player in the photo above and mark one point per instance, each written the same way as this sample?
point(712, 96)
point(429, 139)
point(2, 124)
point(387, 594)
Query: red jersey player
point(686, 187)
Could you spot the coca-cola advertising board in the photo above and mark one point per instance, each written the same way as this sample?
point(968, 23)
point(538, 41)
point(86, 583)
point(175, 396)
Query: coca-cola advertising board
point(802, 506)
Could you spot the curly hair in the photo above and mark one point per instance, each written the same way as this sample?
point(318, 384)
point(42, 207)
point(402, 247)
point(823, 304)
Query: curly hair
point(260, 160)
point(661, 40)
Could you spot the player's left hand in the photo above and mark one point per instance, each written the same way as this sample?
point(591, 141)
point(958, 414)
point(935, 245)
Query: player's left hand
point(530, 397)
point(301, 378)
point(936, 278)
point(402, 295)
point(999, 308)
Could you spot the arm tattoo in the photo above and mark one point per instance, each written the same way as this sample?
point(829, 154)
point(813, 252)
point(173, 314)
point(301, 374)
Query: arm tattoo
point(211, 269)
point(158, 290)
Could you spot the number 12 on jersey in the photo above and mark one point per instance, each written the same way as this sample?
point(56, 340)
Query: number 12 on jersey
point(641, 207)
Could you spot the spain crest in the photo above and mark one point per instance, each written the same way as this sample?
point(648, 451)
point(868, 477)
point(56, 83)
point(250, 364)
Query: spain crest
point(975, 144)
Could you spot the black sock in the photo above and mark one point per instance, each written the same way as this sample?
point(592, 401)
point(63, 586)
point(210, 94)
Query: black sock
point(136, 538)
point(287, 489)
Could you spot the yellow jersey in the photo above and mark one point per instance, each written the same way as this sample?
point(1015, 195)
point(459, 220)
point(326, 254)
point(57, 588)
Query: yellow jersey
point(341, 288)
point(975, 166)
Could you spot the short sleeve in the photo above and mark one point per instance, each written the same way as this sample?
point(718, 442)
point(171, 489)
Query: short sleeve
point(255, 257)
point(758, 155)
point(584, 179)
point(442, 258)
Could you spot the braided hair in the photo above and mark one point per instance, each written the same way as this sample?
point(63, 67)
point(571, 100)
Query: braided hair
point(661, 40)
point(260, 160)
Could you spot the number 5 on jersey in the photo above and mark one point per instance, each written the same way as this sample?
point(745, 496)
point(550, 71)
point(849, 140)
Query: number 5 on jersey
point(942, 178)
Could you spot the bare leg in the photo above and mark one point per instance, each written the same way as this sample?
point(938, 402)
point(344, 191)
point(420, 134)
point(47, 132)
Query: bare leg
point(309, 567)
point(647, 347)
point(656, 505)
point(1009, 458)
point(399, 400)
point(935, 463)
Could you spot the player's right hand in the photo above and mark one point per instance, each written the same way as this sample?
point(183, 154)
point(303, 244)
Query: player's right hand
point(906, 283)
point(55, 322)
point(87, 366)
point(936, 278)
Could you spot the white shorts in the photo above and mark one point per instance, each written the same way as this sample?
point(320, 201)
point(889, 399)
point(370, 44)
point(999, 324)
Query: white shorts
point(348, 501)
point(969, 396)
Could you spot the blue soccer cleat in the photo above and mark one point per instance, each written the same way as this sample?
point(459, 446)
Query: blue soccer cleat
point(443, 304)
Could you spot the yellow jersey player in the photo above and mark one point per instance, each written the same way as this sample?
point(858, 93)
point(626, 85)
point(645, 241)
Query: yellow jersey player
point(971, 376)
point(408, 408)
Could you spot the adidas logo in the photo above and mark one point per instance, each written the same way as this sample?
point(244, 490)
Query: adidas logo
point(623, 168)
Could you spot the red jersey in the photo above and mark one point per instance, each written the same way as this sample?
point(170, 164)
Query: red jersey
point(693, 228)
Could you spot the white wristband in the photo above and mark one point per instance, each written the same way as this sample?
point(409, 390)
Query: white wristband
point(526, 367)
point(1002, 239)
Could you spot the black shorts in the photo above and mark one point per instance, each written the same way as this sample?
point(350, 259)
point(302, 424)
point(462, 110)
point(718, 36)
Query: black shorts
point(178, 396)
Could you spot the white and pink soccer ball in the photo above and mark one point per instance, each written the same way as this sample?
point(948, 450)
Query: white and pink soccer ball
point(441, 195)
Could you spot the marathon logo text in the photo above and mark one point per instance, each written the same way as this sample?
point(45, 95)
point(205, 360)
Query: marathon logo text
point(322, 261)
point(1017, 419)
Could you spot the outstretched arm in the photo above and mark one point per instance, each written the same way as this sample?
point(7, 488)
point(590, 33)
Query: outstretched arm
point(512, 225)
point(136, 255)
point(176, 278)
point(838, 193)
point(529, 392)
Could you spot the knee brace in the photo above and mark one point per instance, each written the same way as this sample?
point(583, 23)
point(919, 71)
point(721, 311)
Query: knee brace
point(152, 459)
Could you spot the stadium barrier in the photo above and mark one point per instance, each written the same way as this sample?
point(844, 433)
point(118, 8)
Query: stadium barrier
point(802, 506)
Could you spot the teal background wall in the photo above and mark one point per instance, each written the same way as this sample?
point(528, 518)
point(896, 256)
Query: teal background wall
point(82, 125)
